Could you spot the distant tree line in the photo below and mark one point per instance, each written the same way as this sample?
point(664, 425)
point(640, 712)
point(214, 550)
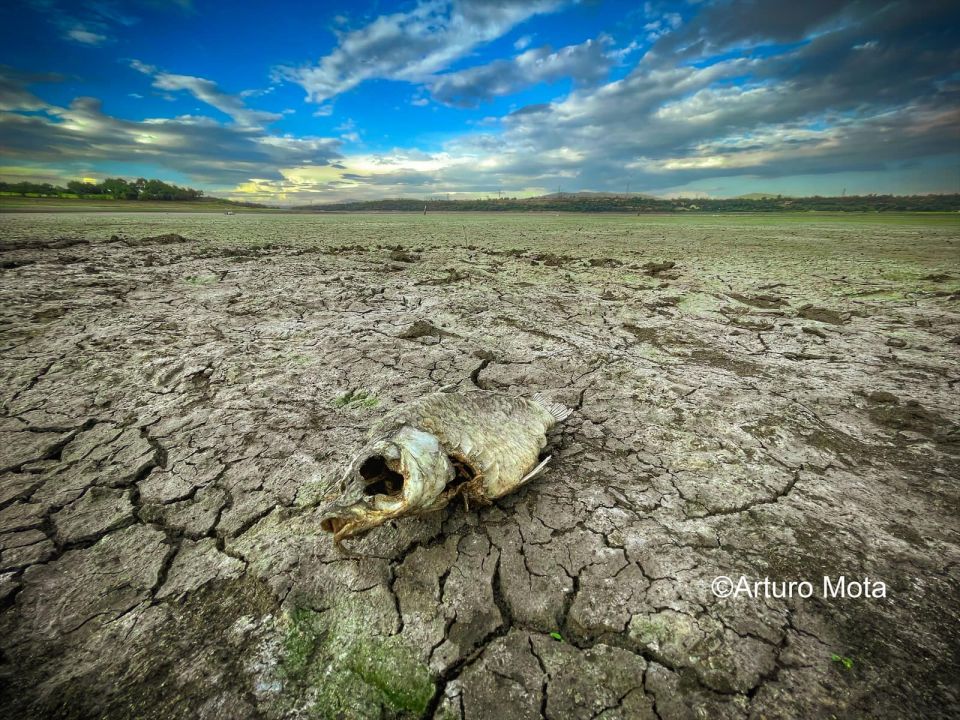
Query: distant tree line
point(111, 188)
point(641, 204)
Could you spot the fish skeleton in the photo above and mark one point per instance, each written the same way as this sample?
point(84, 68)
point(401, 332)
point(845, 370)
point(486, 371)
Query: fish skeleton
point(478, 445)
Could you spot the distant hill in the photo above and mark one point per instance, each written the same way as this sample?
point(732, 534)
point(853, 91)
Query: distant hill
point(761, 196)
point(636, 203)
point(586, 194)
point(19, 203)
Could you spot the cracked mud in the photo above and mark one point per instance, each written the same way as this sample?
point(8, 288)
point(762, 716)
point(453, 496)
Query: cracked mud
point(768, 399)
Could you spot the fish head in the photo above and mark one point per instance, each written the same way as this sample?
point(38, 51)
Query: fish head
point(401, 474)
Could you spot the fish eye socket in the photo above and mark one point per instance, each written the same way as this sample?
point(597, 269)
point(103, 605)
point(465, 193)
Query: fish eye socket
point(380, 479)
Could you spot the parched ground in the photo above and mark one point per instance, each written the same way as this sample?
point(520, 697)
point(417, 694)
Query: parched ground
point(178, 392)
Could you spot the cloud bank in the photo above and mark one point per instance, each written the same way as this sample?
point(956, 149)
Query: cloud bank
point(721, 90)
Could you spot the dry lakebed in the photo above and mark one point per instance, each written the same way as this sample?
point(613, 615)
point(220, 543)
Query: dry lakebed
point(764, 400)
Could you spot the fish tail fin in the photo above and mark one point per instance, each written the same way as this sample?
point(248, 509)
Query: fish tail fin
point(533, 473)
point(559, 412)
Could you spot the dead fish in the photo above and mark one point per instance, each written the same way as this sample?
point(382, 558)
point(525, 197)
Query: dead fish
point(478, 445)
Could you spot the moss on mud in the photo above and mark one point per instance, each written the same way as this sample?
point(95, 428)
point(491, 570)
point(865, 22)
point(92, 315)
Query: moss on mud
point(341, 671)
point(356, 399)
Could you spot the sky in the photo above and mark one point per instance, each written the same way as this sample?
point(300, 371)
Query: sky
point(313, 102)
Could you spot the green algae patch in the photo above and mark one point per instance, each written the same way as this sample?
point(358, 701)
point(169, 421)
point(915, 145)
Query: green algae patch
point(336, 670)
point(300, 642)
point(356, 399)
point(391, 668)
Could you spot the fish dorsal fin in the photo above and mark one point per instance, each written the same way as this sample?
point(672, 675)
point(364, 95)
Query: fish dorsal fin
point(559, 412)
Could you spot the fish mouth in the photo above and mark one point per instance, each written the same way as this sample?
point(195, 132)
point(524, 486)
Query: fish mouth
point(382, 499)
point(342, 527)
point(347, 527)
point(381, 479)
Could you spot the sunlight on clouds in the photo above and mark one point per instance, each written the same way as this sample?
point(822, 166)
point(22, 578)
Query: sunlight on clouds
point(383, 164)
point(363, 176)
point(258, 188)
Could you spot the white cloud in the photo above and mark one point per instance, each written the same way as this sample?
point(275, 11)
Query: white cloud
point(585, 63)
point(522, 42)
point(411, 45)
point(84, 36)
point(143, 67)
point(208, 92)
point(207, 151)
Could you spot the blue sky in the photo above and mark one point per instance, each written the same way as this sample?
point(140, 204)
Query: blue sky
point(295, 102)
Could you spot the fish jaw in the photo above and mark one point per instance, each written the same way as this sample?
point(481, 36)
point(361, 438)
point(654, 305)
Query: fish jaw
point(346, 525)
point(390, 478)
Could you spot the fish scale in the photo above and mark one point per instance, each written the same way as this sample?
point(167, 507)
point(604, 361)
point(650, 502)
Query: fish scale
point(500, 436)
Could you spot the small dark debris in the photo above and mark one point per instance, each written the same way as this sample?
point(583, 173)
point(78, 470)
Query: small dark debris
point(65, 242)
point(760, 301)
point(419, 329)
point(655, 268)
point(166, 239)
point(831, 317)
point(403, 256)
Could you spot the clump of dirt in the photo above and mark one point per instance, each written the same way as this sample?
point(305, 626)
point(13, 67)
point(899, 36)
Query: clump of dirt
point(765, 302)
point(453, 275)
point(550, 259)
point(404, 256)
point(712, 358)
point(910, 416)
point(654, 269)
point(604, 262)
point(57, 243)
point(419, 329)
point(166, 239)
point(65, 242)
point(824, 315)
point(817, 332)
point(883, 397)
